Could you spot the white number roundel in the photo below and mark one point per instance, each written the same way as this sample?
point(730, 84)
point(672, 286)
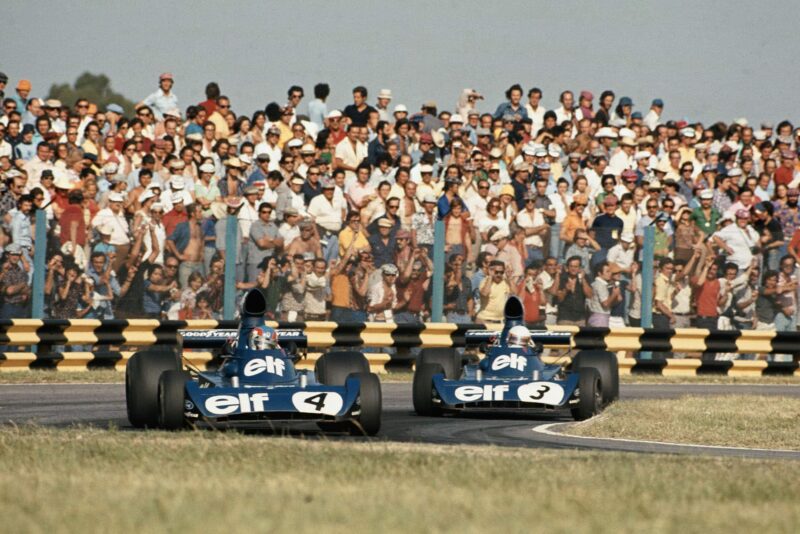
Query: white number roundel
point(541, 392)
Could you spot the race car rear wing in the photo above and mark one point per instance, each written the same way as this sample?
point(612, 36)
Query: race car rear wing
point(214, 339)
point(474, 338)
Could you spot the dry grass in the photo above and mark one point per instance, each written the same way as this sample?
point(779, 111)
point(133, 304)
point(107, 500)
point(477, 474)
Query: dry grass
point(93, 480)
point(738, 421)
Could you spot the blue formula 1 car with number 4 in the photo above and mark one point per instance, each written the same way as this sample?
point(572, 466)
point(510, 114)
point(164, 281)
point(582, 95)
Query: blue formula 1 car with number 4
point(512, 375)
point(255, 385)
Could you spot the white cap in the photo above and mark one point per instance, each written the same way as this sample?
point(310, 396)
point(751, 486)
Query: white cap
point(688, 132)
point(642, 154)
point(500, 234)
point(177, 164)
point(627, 132)
point(110, 167)
point(430, 198)
point(308, 148)
point(400, 108)
point(115, 197)
point(707, 194)
point(207, 167)
point(335, 114)
point(605, 131)
point(147, 195)
point(176, 198)
point(104, 229)
point(247, 160)
point(425, 168)
point(177, 182)
point(456, 118)
point(627, 237)
point(385, 93)
point(294, 143)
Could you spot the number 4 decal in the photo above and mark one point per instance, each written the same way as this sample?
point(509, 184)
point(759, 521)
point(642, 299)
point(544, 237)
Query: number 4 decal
point(317, 401)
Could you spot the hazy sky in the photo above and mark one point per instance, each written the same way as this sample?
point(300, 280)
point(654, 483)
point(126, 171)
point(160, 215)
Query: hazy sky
point(714, 60)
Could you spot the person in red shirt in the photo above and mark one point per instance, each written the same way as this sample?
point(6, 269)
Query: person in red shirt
point(174, 217)
point(529, 290)
point(707, 295)
point(785, 173)
point(212, 93)
point(72, 221)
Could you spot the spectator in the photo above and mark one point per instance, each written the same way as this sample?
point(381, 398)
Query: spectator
point(494, 291)
point(571, 293)
point(605, 295)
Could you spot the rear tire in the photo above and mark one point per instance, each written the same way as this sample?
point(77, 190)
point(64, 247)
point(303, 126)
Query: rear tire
point(590, 395)
point(141, 384)
point(171, 398)
point(422, 389)
point(606, 364)
point(333, 368)
point(369, 420)
point(447, 358)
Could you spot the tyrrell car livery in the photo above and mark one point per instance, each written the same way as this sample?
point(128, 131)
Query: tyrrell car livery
point(512, 374)
point(257, 382)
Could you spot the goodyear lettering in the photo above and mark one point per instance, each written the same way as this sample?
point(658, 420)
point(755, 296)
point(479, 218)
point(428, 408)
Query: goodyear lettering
point(242, 403)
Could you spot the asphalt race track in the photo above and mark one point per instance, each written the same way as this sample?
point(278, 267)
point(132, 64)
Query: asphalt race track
point(104, 404)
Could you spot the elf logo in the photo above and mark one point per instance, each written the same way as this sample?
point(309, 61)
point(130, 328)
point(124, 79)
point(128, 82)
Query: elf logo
point(476, 393)
point(269, 364)
point(515, 361)
point(242, 403)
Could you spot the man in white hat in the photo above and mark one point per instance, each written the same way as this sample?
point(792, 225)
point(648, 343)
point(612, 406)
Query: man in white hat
point(623, 159)
point(175, 192)
point(384, 99)
point(114, 218)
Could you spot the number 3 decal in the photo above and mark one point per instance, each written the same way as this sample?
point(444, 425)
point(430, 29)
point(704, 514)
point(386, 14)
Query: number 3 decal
point(539, 393)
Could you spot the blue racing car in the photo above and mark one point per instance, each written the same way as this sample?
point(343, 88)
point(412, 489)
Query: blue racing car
point(256, 383)
point(512, 375)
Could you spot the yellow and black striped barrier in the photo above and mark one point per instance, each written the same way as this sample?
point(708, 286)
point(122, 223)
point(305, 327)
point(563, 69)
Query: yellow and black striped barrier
point(106, 343)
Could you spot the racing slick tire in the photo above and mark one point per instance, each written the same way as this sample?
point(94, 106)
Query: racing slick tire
point(171, 398)
point(422, 389)
point(590, 395)
point(333, 368)
point(606, 364)
point(368, 421)
point(447, 358)
point(141, 384)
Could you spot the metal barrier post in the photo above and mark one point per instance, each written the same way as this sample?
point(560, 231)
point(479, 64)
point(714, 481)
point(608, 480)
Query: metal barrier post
point(231, 257)
point(39, 259)
point(648, 256)
point(437, 303)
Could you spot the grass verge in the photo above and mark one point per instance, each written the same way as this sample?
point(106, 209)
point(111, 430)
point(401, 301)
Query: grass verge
point(94, 480)
point(736, 421)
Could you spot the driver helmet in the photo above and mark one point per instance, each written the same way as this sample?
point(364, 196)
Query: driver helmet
point(519, 336)
point(262, 337)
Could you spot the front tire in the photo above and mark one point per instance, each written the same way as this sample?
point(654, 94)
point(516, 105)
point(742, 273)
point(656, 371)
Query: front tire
point(422, 389)
point(369, 420)
point(142, 374)
point(590, 395)
point(171, 398)
point(606, 365)
point(332, 369)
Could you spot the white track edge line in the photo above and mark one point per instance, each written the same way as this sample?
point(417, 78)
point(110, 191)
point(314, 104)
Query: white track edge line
point(545, 429)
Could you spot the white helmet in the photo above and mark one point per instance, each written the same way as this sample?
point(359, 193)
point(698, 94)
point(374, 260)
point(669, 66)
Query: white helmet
point(519, 336)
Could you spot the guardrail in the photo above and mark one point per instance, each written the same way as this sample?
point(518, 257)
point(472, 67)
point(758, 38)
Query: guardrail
point(108, 337)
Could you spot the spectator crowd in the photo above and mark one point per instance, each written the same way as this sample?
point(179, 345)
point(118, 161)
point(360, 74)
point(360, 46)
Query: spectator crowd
point(335, 209)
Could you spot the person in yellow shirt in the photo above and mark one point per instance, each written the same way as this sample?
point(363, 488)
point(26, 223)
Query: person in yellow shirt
point(352, 237)
point(494, 290)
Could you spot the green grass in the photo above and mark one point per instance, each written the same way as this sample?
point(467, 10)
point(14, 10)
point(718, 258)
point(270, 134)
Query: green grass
point(738, 421)
point(94, 480)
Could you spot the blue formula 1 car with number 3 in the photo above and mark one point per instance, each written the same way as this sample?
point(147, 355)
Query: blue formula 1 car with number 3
point(512, 375)
point(256, 383)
